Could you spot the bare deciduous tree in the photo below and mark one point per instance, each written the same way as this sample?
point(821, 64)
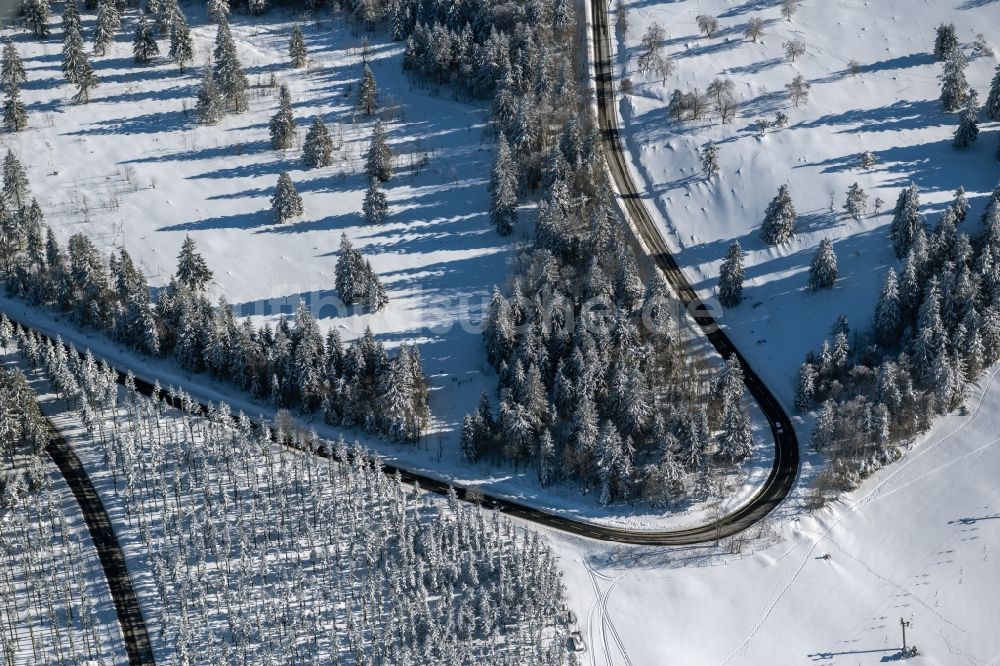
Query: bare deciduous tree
point(651, 45)
point(794, 49)
point(709, 25)
point(788, 9)
point(798, 90)
point(754, 29)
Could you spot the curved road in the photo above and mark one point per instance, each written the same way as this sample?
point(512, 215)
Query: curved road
point(137, 645)
point(786, 456)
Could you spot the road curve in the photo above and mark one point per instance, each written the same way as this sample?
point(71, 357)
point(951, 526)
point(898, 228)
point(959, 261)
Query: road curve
point(786, 449)
point(137, 645)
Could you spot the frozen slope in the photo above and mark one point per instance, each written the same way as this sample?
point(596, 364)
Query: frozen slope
point(890, 108)
point(919, 540)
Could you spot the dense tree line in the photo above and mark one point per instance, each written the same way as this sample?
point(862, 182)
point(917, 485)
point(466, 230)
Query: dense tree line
point(263, 554)
point(935, 329)
point(290, 364)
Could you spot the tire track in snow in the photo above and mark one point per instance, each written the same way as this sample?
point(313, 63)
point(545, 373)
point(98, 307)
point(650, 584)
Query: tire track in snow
point(855, 508)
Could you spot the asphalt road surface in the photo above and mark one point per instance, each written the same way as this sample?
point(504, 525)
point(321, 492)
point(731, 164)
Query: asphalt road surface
point(108, 549)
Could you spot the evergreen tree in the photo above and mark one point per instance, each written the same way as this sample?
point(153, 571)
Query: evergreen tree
point(503, 189)
point(857, 202)
point(906, 220)
point(144, 47)
point(107, 24)
point(11, 68)
point(946, 41)
point(736, 441)
point(36, 16)
point(86, 80)
point(498, 330)
point(710, 160)
point(731, 277)
point(285, 202)
point(375, 207)
point(805, 390)
point(181, 42)
point(954, 86)
point(16, 192)
point(218, 12)
point(779, 219)
point(379, 161)
point(367, 91)
point(228, 72)
point(282, 124)
point(375, 297)
point(297, 47)
point(73, 53)
point(209, 105)
point(960, 206)
point(968, 125)
point(317, 150)
point(888, 319)
point(15, 115)
point(823, 270)
point(992, 107)
point(192, 269)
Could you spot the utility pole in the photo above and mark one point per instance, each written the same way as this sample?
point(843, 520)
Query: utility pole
point(904, 624)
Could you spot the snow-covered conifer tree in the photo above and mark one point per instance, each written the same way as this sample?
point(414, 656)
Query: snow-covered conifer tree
point(945, 42)
point(218, 11)
point(710, 160)
point(228, 72)
point(86, 81)
point(36, 16)
point(107, 24)
point(379, 161)
point(375, 207)
point(968, 125)
point(906, 219)
point(16, 192)
point(209, 104)
point(731, 277)
point(367, 91)
point(192, 269)
point(375, 298)
point(888, 318)
point(779, 219)
point(805, 389)
point(823, 269)
point(954, 86)
point(503, 189)
point(992, 106)
point(144, 46)
point(285, 202)
point(15, 114)
point(11, 68)
point(73, 53)
point(317, 149)
point(282, 123)
point(297, 47)
point(181, 43)
point(857, 202)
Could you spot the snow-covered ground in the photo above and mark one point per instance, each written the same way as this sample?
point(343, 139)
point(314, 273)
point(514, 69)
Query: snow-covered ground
point(918, 541)
point(890, 108)
point(133, 169)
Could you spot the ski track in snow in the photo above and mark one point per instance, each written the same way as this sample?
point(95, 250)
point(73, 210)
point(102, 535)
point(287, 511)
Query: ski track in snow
point(872, 495)
point(601, 601)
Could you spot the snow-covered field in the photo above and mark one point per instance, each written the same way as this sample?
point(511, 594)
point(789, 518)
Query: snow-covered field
point(890, 108)
point(132, 168)
point(918, 540)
